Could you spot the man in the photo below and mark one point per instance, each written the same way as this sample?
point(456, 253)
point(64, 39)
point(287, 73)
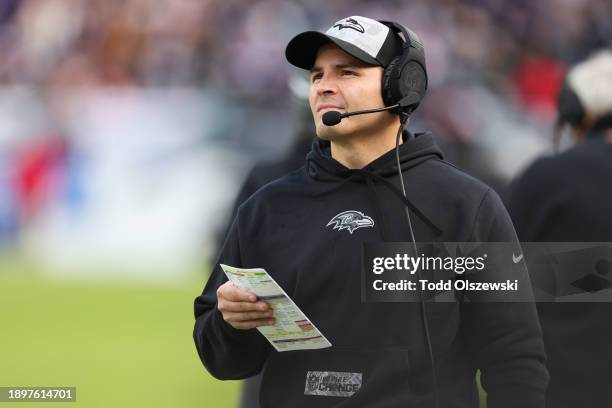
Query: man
point(567, 198)
point(287, 229)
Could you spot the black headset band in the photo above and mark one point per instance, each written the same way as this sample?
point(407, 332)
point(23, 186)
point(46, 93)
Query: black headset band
point(405, 77)
point(410, 37)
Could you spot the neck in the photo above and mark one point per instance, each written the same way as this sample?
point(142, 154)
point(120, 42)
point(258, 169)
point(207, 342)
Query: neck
point(357, 151)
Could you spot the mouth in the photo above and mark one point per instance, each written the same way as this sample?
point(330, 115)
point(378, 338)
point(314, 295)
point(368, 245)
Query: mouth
point(326, 108)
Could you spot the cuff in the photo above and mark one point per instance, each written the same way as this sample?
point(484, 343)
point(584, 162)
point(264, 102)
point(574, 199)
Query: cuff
point(228, 331)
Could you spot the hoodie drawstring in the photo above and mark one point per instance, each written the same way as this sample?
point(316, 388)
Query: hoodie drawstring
point(369, 177)
point(405, 200)
point(377, 210)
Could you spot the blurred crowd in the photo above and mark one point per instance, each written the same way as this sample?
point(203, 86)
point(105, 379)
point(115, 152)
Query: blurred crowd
point(126, 126)
point(238, 45)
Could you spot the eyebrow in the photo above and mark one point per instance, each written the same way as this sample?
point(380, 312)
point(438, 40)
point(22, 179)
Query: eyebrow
point(319, 69)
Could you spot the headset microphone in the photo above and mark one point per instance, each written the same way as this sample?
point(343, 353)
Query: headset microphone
point(332, 118)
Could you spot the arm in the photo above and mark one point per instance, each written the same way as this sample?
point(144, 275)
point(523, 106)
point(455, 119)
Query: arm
point(230, 348)
point(505, 338)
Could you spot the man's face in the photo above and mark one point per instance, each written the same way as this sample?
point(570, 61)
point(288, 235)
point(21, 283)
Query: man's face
point(341, 82)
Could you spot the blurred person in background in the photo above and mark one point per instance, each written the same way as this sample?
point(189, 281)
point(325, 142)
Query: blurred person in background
point(567, 198)
point(266, 172)
point(282, 228)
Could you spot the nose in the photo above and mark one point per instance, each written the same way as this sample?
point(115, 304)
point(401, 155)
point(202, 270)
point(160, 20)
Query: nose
point(326, 85)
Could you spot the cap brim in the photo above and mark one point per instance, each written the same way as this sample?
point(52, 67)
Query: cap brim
point(302, 49)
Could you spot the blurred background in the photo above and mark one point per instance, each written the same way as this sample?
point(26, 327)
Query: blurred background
point(127, 128)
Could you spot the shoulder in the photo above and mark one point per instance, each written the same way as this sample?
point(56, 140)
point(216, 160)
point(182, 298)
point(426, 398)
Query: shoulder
point(466, 187)
point(546, 166)
point(565, 164)
point(545, 175)
point(446, 180)
point(460, 203)
point(276, 193)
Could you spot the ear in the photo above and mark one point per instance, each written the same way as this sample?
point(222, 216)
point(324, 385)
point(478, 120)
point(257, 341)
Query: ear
point(583, 128)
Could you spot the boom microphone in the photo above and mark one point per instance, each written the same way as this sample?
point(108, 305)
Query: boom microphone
point(332, 118)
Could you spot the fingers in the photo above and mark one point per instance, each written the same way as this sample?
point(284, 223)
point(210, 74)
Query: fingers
point(229, 291)
point(242, 317)
point(233, 299)
point(247, 320)
point(228, 306)
point(251, 324)
point(241, 309)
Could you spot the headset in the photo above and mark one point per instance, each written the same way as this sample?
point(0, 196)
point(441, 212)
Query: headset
point(404, 83)
point(404, 80)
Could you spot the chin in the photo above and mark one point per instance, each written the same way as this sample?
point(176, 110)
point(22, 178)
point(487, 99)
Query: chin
point(332, 132)
point(329, 133)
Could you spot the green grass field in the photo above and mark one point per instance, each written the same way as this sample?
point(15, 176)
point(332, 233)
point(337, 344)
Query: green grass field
point(121, 344)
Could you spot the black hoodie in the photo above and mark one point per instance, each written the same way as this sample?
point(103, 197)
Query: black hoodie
point(283, 229)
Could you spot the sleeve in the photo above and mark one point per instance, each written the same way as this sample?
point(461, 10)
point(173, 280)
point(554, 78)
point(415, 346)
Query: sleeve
point(227, 353)
point(505, 337)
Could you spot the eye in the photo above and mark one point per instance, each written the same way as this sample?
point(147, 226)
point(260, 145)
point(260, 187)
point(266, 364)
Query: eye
point(346, 72)
point(315, 77)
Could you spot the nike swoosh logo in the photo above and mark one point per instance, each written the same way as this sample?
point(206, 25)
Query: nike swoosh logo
point(517, 259)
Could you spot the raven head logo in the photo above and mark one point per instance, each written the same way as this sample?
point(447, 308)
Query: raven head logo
point(350, 220)
point(350, 23)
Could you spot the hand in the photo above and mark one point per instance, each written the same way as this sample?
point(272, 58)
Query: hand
point(241, 309)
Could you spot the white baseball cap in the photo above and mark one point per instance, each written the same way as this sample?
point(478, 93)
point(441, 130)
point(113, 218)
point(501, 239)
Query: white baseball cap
point(364, 38)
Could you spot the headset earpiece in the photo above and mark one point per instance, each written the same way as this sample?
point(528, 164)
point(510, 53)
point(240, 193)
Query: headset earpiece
point(405, 78)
